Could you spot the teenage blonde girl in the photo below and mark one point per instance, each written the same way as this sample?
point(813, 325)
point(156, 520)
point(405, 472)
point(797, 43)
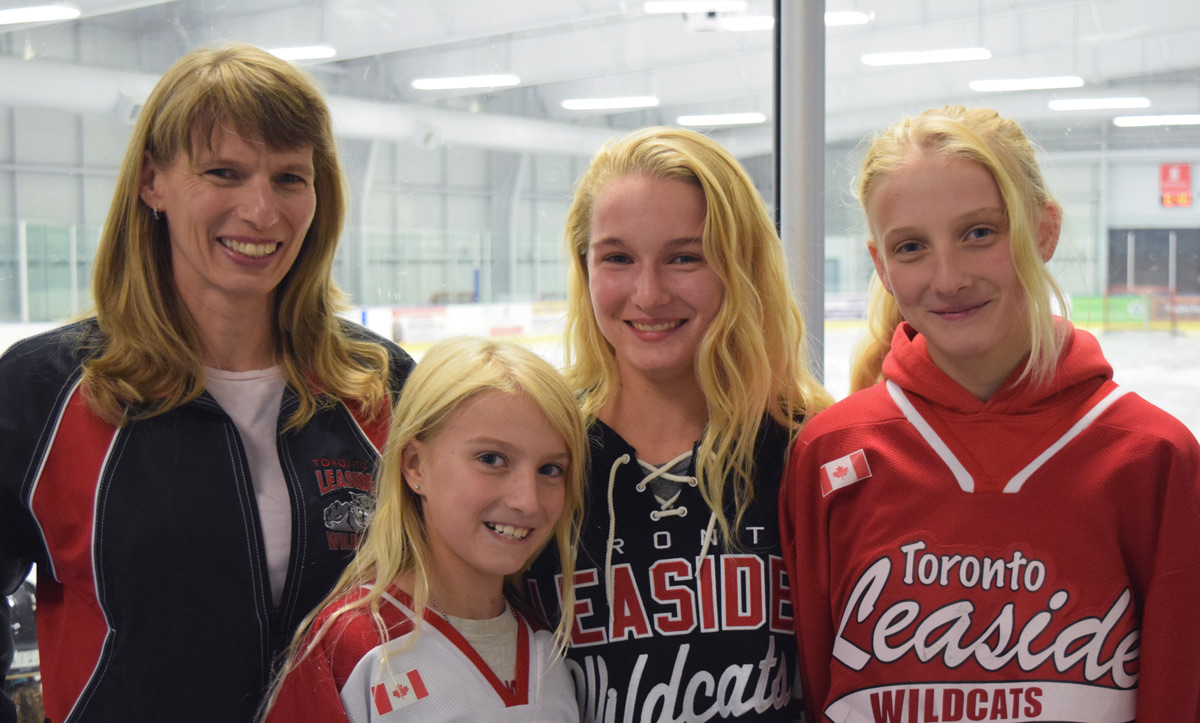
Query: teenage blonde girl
point(686, 345)
point(482, 468)
point(996, 530)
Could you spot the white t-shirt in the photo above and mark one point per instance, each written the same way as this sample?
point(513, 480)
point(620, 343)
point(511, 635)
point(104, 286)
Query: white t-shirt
point(494, 639)
point(252, 400)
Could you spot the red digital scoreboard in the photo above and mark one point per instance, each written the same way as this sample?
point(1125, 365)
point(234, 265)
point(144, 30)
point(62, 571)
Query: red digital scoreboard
point(1175, 185)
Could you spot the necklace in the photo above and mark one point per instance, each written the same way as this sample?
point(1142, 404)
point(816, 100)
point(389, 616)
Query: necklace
point(507, 605)
point(437, 605)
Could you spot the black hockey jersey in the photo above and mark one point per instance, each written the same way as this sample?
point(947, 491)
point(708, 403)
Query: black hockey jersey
point(672, 623)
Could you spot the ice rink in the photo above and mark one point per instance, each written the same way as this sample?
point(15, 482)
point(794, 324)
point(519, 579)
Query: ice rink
point(1160, 366)
point(1163, 368)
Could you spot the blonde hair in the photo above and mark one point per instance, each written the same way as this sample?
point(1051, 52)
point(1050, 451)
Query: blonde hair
point(998, 144)
point(149, 354)
point(750, 363)
point(452, 372)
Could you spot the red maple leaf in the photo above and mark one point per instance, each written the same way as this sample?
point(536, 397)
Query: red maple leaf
point(840, 472)
point(400, 691)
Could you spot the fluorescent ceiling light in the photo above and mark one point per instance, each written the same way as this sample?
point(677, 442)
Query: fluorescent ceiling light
point(38, 14)
point(721, 119)
point(1098, 103)
point(848, 17)
point(1046, 83)
point(466, 81)
point(694, 6)
point(624, 103)
point(743, 23)
point(1136, 121)
point(304, 52)
point(919, 57)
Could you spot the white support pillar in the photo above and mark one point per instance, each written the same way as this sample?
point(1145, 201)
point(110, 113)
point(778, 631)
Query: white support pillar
point(800, 155)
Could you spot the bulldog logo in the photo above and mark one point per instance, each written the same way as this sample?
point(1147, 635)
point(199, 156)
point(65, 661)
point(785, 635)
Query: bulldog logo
point(351, 516)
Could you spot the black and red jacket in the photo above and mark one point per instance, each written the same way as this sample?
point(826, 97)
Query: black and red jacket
point(153, 596)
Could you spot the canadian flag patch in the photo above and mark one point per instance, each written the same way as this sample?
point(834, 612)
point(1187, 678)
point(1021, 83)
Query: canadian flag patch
point(395, 694)
point(844, 471)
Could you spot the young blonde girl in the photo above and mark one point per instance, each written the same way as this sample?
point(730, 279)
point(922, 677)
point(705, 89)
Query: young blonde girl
point(687, 346)
point(483, 466)
point(995, 530)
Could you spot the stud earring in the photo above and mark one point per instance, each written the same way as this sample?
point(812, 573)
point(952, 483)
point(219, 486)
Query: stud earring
point(416, 487)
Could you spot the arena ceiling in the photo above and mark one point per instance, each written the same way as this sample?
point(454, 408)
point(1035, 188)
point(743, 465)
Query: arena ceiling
point(106, 59)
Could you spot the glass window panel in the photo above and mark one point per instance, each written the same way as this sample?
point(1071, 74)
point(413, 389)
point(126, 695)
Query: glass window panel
point(468, 212)
point(419, 210)
point(112, 47)
point(97, 196)
point(556, 173)
point(6, 134)
point(384, 164)
point(551, 217)
point(420, 166)
point(105, 139)
point(45, 196)
point(381, 211)
point(469, 188)
point(523, 221)
point(49, 273)
point(46, 136)
point(468, 167)
point(442, 208)
point(8, 214)
point(10, 289)
point(55, 41)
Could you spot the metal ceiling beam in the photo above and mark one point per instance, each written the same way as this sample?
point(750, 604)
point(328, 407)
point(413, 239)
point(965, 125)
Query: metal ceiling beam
point(82, 89)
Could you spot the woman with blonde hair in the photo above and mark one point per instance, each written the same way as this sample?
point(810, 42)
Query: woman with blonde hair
point(483, 467)
point(996, 530)
point(686, 345)
point(192, 461)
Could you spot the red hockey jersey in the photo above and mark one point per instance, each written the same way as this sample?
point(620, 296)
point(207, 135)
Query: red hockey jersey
point(1008, 560)
point(431, 674)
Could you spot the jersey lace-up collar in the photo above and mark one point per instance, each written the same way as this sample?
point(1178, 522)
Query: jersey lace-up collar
point(666, 484)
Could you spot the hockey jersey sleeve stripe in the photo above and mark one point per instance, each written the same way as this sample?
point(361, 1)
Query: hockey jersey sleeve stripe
point(961, 475)
point(65, 499)
point(1015, 484)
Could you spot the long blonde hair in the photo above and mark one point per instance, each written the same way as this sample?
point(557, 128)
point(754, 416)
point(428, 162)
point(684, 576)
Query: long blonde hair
point(998, 144)
point(148, 358)
point(751, 360)
point(451, 372)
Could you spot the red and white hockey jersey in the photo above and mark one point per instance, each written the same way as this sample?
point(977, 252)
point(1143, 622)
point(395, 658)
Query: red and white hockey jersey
point(1028, 558)
point(437, 677)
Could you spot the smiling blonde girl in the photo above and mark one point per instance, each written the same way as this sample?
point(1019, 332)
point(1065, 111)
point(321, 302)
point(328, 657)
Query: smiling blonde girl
point(482, 469)
point(995, 530)
point(687, 348)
